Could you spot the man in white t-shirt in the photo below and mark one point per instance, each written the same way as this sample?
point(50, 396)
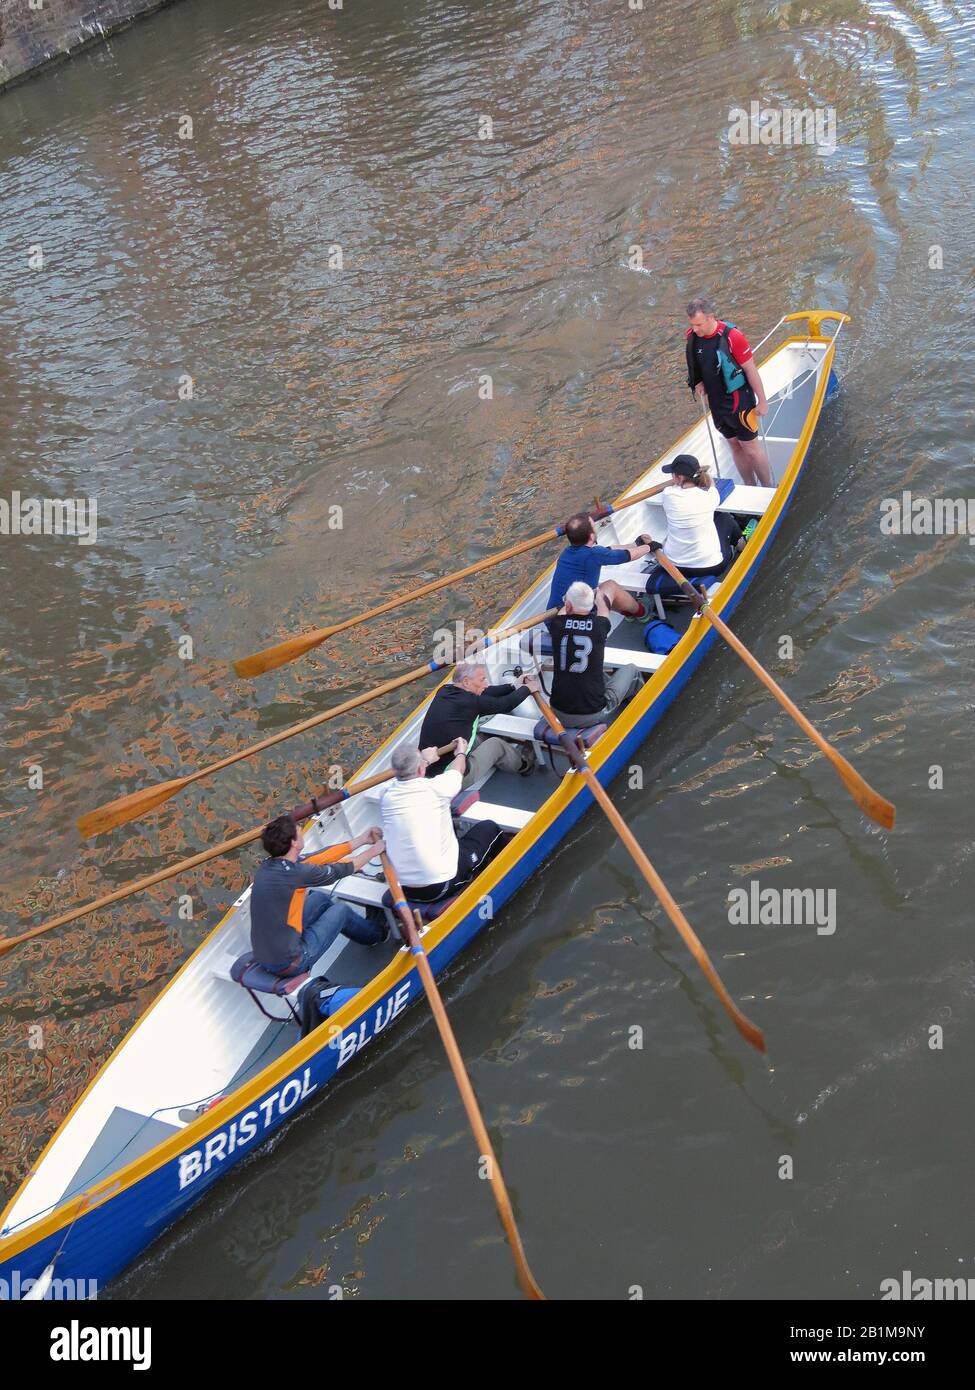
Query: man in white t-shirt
point(431, 862)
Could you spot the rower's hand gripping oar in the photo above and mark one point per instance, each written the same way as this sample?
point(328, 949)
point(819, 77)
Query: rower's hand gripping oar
point(321, 802)
point(136, 804)
point(577, 757)
point(293, 647)
point(484, 1147)
point(871, 803)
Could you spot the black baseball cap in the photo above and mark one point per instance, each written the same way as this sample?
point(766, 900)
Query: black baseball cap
point(686, 465)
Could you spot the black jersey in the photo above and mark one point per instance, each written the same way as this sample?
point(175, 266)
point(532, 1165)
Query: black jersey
point(578, 644)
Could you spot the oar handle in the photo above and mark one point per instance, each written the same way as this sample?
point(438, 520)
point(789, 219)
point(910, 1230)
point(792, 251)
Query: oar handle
point(484, 1146)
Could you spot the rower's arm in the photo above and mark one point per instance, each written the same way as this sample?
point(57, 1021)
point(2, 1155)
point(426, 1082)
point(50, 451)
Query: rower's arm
point(499, 699)
point(329, 855)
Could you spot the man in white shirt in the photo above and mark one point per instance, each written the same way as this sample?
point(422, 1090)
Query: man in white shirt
point(430, 861)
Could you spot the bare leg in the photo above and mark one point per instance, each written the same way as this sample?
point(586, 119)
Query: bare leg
point(620, 600)
point(751, 460)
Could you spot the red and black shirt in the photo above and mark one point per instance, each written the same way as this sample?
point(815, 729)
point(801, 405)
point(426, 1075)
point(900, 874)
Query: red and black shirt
point(704, 356)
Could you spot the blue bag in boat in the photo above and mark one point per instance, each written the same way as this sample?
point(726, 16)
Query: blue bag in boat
point(660, 637)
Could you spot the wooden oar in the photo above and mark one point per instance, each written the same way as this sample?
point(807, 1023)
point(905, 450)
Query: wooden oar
point(321, 802)
point(871, 803)
point(283, 652)
point(577, 757)
point(484, 1147)
point(136, 804)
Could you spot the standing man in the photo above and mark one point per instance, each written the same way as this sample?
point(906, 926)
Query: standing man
point(720, 366)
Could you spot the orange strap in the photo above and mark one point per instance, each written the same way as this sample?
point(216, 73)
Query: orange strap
point(297, 905)
point(296, 909)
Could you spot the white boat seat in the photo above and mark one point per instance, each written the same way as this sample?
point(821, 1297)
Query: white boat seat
point(511, 818)
point(632, 576)
point(357, 888)
point(643, 661)
point(508, 726)
point(751, 501)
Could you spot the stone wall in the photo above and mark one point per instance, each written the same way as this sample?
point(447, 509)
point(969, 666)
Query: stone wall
point(34, 33)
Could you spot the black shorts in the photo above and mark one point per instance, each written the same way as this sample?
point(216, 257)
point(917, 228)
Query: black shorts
point(731, 424)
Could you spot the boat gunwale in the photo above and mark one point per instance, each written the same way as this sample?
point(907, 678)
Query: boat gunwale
point(33, 1230)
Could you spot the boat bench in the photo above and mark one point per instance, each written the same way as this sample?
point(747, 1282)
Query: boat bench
point(750, 501)
point(646, 661)
point(508, 726)
point(613, 657)
point(373, 892)
point(531, 731)
point(511, 818)
point(358, 888)
point(524, 730)
point(735, 497)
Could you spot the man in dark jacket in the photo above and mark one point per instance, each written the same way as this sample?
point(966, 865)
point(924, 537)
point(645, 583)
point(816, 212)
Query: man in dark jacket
point(290, 927)
point(455, 711)
point(720, 366)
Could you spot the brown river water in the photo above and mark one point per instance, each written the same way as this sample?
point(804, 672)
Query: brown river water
point(164, 259)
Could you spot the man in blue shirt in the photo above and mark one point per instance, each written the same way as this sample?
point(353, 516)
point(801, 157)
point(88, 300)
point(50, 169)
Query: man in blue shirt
point(582, 560)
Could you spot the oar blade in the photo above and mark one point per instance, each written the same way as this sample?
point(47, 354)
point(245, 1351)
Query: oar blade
point(749, 1032)
point(280, 655)
point(127, 808)
point(871, 803)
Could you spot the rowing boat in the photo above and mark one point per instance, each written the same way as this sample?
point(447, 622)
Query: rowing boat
point(206, 1074)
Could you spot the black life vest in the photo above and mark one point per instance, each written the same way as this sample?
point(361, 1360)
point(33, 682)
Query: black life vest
point(732, 375)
